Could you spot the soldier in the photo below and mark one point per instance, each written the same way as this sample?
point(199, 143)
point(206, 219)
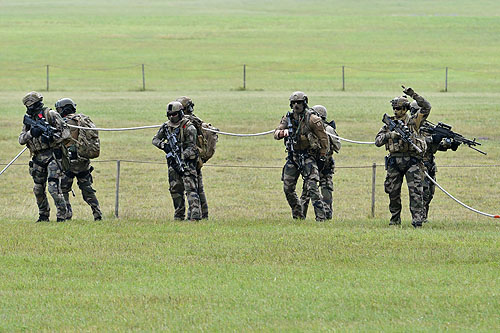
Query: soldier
point(325, 175)
point(177, 137)
point(188, 106)
point(434, 143)
point(404, 159)
point(79, 166)
point(44, 132)
point(307, 144)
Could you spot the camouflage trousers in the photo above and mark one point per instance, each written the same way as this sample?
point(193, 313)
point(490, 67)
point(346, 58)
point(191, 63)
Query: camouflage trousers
point(188, 184)
point(326, 189)
point(44, 167)
point(310, 174)
point(428, 187)
point(80, 169)
point(412, 169)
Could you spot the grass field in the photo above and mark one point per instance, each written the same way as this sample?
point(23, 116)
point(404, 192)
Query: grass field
point(250, 266)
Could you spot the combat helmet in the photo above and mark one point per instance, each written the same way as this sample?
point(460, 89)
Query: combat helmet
point(298, 96)
point(187, 103)
point(31, 98)
point(174, 107)
point(400, 105)
point(65, 106)
point(320, 110)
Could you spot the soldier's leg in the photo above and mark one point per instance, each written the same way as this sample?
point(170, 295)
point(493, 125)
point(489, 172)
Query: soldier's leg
point(326, 186)
point(190, 179)
point(304, 199)
point(176, 189)
point(203, 197)
point(311, 178)
point(289, 177)
point(85, 181)
point(392, 186)
point(39, 175)
point(66, 185)
point(54, 185)
point(414, 181)
point(428, 187)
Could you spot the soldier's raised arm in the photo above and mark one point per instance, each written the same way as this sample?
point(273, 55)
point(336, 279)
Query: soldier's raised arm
point(425, 106)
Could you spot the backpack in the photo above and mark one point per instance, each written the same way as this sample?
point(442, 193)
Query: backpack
point(206, 140)
point(88, 142)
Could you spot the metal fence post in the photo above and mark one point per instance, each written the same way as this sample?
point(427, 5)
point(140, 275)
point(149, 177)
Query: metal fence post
point(47, 77)
point(143, 79)
point(244, 77)
point(374, 173)
point(343, 79)
point(446, 81)
point(117, 194)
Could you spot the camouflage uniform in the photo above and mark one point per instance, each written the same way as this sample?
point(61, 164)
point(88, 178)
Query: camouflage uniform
point(308, 141)
point(325, 175)
point(81, 169)
point(188, 105)
point(186, 135)
point(404, 160)
point(46, 163)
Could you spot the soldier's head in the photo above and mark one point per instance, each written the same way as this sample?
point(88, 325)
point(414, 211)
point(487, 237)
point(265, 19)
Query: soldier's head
point(400, 105)
point(175, 111)
point(298, 101)
point(187, 103)
point(33, 102)
point(414, 107)
point(65, 106)
point(321, 111)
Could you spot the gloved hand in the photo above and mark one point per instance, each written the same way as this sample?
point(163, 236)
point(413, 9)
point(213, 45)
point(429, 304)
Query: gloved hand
point(47, 139)
point(321, 162)
point(36, 131)
point(392, 135)
point(283, 133)
point(165, 147)
point(408, 91)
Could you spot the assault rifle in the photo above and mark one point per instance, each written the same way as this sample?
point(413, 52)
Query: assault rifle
point(173, 152)
point(289, 139)
point(48, 131)
point(443, 131)
point(399, 127)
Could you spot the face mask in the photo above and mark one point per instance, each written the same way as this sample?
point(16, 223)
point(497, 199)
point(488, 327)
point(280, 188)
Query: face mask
point(34, 108)
point(175, 117)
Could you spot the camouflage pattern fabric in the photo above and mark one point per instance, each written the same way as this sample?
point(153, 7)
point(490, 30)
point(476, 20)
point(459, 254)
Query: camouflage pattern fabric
point(81, 169)
point(45, 168)
point(203, 198)
point(188, 184)
point(310, 174)
point(412, 169)
point(428, 187)
point(326, 189)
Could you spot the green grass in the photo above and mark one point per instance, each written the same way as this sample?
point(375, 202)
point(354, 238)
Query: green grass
point(251, 267)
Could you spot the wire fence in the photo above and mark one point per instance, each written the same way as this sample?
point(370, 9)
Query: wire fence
point(143, 77)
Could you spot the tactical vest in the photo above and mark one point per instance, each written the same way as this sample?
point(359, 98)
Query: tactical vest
point(303, 135)
point(398, 145)
point(36, 145)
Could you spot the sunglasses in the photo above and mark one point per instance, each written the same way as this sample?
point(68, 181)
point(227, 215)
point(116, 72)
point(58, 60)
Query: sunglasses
point(296, 102)
point(173, 114)
point(397, 108)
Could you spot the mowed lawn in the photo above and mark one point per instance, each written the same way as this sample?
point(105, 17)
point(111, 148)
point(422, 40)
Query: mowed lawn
point(251, 267)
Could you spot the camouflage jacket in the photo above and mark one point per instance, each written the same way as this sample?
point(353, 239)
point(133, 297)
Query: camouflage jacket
point(186, 135)
point(35, 145)
point(413, 122)
point(308, 132)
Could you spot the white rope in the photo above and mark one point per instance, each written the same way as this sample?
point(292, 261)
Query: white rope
point(468, 207)
point(235, 134)
point(352, 141)
point(15, 158)
point(115, 129)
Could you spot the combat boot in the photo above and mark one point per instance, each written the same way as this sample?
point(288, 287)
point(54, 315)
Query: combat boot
point(395, 222)
point(60, 219)
point(98, 218)
point(416, 224)
point(42, 218)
